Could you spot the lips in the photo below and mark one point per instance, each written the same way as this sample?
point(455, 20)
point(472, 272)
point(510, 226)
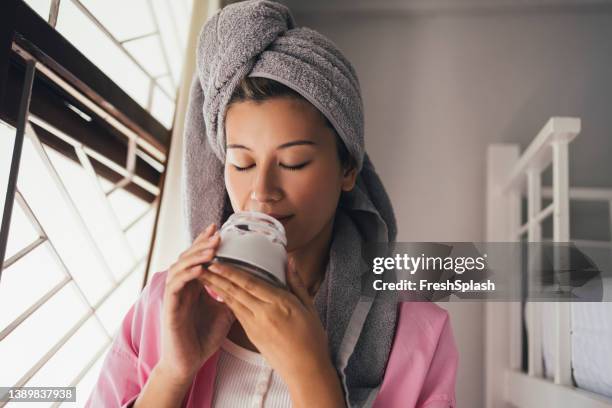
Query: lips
point(285, 219)
point(281, 218)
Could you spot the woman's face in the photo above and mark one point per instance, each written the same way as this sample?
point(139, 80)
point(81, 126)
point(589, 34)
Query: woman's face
point(282, 160)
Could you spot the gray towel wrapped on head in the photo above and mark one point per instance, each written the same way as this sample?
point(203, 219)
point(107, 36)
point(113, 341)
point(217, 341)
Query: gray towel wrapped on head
point(259, 39)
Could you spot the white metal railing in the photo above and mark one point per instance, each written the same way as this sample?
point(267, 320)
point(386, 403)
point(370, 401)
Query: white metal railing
point(123, 129)
point(153, 80)
point(508, 176)
point(43, 239)
point(137, 262)
point(591, 194)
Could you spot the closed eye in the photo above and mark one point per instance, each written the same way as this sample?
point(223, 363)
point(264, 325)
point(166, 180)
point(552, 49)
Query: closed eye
point(243, 168)
point(296, 167)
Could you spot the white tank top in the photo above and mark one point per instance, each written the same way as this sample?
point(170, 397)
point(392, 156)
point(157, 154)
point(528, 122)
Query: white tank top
point(244, 379)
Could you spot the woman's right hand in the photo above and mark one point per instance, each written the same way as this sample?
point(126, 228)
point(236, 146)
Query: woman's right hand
point(193, 324)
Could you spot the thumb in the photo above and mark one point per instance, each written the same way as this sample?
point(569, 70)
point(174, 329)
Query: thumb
point(296, 284)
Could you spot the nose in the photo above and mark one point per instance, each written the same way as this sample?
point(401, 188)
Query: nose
point(265, 187)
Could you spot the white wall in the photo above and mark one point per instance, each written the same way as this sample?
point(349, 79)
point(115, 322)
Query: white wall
point(439, 86)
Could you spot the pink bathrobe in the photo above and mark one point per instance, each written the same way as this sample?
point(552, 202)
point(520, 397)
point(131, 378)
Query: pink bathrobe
point(420, 372)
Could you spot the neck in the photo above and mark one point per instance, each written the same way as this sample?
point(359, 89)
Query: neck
point(311, 258)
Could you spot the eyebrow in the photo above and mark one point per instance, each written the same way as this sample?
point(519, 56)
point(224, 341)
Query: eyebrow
point(283, 146)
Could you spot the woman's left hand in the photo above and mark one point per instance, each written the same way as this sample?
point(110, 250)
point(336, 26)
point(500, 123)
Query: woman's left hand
point(283, 325)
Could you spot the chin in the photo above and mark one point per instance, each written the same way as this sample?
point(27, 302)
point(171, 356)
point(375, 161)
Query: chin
point(294, 243)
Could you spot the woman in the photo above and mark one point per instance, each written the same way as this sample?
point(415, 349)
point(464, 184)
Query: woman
point(275, 125)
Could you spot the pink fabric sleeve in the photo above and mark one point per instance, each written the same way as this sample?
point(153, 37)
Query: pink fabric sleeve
point(124, 372)
point(438, 389)
point(422, 365)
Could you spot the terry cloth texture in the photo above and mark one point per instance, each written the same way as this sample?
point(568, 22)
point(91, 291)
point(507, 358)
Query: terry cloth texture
point(259, 39)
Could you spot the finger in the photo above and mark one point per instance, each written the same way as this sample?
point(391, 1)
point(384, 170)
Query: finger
point(211, 243)
point(178, 281)
point(228, 292)
point(207, 233)
point(247, 281)
point(235, 291)
point(211, 292)
point(203, 236)
point(296, 284)
point(193, 260)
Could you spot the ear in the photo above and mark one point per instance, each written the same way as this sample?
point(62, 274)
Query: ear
point(349, 178)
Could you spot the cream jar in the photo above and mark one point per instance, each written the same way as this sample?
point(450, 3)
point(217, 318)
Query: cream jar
point(255, 242)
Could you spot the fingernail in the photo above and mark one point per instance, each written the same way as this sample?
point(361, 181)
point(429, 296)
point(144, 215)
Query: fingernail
point(215, 269)
point(213, 294)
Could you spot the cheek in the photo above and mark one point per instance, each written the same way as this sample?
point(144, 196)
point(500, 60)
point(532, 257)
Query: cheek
point(238, 189)
point(314, 194)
